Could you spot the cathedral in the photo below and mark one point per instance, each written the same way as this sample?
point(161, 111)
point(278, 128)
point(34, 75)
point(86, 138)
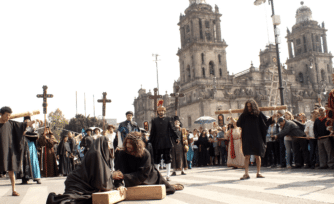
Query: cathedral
point(208, 86)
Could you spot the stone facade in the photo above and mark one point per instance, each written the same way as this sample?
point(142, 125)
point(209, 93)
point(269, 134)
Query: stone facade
point(208, 86)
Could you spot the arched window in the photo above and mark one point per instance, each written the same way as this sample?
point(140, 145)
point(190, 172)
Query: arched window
point(212, 68)
point(328, 69)
point(203, 72)
point(220, 72)
point(323, 75)
point(301, 78)
point(193, 73)
point(220, 59)
point(202, 57)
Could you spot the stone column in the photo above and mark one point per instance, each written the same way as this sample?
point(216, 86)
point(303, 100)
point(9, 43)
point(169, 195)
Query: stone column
point(218, 31)
point(294, 46)
point(290, 49)
point(182, 36)
point(324, 41)
point(309, 43)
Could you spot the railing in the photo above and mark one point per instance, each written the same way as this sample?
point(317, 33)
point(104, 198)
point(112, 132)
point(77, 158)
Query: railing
point(242, 73)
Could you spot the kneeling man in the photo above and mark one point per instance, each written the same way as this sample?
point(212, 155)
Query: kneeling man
point(134, 163)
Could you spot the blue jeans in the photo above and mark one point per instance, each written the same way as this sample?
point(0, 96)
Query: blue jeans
point(288, 148)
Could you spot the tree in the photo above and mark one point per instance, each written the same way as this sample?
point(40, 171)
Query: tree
point(80, 122)
point(57, 123)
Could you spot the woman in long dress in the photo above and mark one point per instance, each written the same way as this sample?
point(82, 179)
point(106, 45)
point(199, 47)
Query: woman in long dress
point(236, 157)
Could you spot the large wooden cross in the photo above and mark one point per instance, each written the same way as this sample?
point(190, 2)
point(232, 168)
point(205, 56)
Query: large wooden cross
point(177, 95)
point(104, 100)
point(155, 98)
point(45, 96)
point(260, 108)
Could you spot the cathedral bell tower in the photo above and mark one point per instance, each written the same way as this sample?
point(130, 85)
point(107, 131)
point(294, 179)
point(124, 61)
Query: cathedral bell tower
point(308, 51)
point(202, 54)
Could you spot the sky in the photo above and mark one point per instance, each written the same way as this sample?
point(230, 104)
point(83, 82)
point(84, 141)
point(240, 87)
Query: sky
point(91, 47)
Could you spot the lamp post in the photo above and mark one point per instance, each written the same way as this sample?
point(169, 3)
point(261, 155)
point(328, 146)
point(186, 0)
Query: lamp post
point(276, 22)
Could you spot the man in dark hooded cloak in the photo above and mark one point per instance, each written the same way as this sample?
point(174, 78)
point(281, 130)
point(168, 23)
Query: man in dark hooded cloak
point(93, 175)
point(63, 155)
point(135, 164)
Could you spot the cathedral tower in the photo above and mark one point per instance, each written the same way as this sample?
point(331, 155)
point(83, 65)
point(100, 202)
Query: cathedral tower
point(202, 53)
point(308, 52)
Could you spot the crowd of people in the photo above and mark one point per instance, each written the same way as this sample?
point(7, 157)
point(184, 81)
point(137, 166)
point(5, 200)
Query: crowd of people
point(280, 141)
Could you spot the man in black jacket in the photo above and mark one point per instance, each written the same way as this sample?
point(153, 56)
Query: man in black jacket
point(161, 137)
point(292, 129)
point(324, 144)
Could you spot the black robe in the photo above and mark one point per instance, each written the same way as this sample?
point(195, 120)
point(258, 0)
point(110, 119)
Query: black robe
point(139, 171)
point(179, 157)
point(203, 144)
point(149, 148)
point(11, 145)
point(87, 142)
point(254, 130)
point(93, 175)
point(26, 169)
point(162, 133)
point(64, 151)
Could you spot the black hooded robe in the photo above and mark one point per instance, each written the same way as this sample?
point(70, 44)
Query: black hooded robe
point(203, 144)
point(11, 141)
point(64, 151)
point(92, 175)
point(254, 130)
point(139, 171)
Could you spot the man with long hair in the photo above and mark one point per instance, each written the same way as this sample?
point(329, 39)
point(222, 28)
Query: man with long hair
point(254, 125)
point(134, 163)
point(11, 140)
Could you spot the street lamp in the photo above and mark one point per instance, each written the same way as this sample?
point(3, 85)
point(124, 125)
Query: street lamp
point(276, 21)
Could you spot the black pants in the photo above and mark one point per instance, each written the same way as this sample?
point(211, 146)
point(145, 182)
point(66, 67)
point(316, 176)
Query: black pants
point(166, 155)
point(272, 154)
point(300, 151)
point(282, 152)
point(314, 157)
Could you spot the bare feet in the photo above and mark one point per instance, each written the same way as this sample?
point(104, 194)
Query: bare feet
point(244, 177)
point(178, 187)
point(15, 193)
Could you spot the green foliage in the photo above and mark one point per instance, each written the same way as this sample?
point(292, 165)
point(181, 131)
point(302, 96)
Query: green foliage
point(57, 123)
point(80, 121)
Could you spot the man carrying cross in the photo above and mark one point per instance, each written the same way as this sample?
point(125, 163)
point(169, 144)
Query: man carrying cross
point(254, 125)
point(11, 136)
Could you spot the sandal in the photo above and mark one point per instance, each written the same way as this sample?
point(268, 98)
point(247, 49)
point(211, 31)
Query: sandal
point(15, 193)
point(173, 174)
point(183, 173)
point(178, 187)
point(244, 177)
point(259, 176)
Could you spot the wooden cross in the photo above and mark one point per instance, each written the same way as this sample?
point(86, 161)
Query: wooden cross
point(104, 100)
point(177, 95)
point(45, 96)
point(155, 98)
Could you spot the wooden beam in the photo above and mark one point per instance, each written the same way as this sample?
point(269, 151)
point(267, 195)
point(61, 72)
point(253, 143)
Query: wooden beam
point(260, 108)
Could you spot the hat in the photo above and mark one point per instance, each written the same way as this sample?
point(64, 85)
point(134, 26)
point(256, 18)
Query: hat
point(129, 112)
point(160, 105)
point(88, 129)
point(98, 129)
point(280, 120)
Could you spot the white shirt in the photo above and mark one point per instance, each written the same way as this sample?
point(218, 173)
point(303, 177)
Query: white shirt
point(309, 128)
point(111, 138)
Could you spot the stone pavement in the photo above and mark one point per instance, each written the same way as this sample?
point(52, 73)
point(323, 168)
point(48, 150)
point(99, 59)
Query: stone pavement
point(212, 185)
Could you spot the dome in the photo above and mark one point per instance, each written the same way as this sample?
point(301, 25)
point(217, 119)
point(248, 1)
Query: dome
point(304, 13)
